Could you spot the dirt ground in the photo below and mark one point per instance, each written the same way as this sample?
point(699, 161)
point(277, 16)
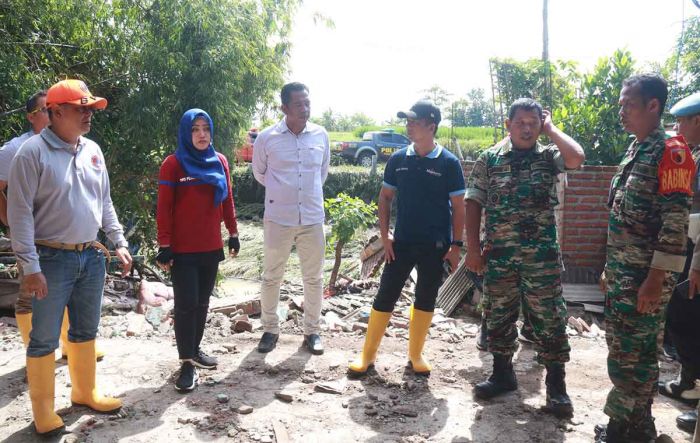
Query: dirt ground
point(388, 405)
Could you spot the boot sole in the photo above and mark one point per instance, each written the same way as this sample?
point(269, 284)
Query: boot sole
point(111, 411)
point(52, 433)
point(421, 373)
point(489, 396)
point(560, 411)
point(357, 374)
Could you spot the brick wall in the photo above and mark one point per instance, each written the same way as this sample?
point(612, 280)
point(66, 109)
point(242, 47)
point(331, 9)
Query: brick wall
point(584, 220)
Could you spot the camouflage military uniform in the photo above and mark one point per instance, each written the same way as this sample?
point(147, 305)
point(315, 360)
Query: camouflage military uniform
point(517, 189)
point(649, 201)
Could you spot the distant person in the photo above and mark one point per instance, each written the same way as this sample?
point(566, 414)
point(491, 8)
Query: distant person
point(649, 201)
point(514, 182)
point(58, 199)
point(683, 317)
point(428, 183)
point(38, 117)
point(291, 160)
point(194, 195)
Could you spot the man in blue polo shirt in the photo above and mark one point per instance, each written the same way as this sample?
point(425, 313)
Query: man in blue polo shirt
point(429, 185)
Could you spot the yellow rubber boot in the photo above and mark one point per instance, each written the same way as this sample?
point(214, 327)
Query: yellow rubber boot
point(41, 377)
point(82, 367)
point(418, 327)
point(376, 326)
point(99, 354)
point(24, 324)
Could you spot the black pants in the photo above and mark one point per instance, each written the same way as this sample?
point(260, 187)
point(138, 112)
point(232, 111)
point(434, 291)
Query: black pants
point(193, 283)
point(683, 321)
point(427, 259)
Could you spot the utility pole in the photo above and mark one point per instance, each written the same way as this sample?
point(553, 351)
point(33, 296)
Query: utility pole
point(545, 55)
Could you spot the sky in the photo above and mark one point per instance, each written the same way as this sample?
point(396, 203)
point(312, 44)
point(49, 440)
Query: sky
point(381, 54)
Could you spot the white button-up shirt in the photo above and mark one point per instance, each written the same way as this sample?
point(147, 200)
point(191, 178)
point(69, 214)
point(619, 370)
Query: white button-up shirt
point(293, 169)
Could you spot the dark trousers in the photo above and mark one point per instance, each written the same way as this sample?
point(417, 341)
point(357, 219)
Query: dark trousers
point(193, 283)
point(668, 336)
point(427, 259)
point(683, 323)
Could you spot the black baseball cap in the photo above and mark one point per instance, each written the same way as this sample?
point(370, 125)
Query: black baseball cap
point(423, 109)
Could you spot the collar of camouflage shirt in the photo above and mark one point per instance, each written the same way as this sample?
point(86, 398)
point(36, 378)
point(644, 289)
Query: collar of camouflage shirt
point(507, 146)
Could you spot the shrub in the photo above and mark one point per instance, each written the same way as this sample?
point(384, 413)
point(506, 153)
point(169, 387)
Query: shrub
point(352, 180)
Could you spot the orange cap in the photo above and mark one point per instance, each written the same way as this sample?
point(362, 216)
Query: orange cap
point(74, 92)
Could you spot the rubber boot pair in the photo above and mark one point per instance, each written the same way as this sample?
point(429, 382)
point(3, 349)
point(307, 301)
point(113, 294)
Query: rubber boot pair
point(41, 378)
point(24, 324)
point(419, 324)
point(502, 378)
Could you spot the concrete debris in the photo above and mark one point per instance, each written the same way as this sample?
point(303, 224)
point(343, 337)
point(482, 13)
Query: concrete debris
point(281, 433)
point(137, 325)
point(336, 387)
point(244, 409)
point(284, 396)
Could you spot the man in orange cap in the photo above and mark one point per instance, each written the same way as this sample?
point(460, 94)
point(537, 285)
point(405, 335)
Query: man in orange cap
point(38, 117)
point(58, 199)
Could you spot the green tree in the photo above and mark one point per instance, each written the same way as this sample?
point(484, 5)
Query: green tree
point(359, 119)
point(327, 120)
point(439, 96)
point(473, 110)
point(591, 115)
point(152, 59)
point(527, 79)
point(683, 68)
point(346, 215)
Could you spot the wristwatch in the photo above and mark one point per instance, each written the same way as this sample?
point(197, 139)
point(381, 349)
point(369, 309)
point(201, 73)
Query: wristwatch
point(459, 243)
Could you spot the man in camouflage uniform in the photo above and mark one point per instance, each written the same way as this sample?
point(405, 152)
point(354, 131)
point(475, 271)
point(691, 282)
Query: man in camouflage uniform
point(515, 181)
point(684, 307)
point(649, 202)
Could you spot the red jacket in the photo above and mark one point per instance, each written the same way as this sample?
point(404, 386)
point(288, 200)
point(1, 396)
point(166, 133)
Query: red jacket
point(188, 220)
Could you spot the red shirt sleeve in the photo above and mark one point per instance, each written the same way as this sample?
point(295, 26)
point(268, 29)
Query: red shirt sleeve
point(228, 206)
point(167, 180)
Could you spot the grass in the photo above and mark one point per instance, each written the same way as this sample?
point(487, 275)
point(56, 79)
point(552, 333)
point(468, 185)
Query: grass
point(342, 136)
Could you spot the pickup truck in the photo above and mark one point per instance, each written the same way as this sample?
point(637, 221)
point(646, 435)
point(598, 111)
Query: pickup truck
point(379, 143)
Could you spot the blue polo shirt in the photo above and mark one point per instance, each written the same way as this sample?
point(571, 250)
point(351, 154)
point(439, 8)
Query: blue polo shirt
point(423, 187)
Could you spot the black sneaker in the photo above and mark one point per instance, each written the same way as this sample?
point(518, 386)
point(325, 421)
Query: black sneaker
point(202, 360)
point(187, 379)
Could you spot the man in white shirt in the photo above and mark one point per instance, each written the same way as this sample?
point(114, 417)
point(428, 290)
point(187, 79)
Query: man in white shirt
point(291, 160)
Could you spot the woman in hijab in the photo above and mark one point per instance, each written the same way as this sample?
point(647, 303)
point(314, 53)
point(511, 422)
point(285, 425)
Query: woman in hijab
point(194, 195)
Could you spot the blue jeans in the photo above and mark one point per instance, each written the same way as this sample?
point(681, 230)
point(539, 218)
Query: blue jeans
point(76, 280)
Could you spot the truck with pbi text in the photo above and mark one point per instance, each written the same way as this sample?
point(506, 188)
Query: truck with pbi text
point(374, 143)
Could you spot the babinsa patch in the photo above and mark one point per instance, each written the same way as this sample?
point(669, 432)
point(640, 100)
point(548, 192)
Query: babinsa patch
point(677, 167)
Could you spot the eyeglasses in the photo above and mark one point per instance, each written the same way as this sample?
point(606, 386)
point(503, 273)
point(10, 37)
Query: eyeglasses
point(43, 110)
